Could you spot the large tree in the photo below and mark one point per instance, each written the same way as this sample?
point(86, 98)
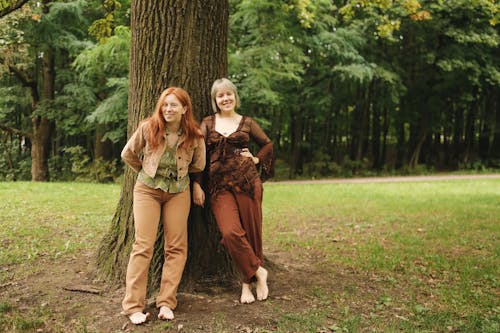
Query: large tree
point(173, 43)
point(37, 44)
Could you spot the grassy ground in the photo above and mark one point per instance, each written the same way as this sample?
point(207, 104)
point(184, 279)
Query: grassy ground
point(385, 257)
point(431, 250)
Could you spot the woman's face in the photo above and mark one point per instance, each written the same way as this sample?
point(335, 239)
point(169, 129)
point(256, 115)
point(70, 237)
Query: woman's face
point(225, 99)
point(172, 109)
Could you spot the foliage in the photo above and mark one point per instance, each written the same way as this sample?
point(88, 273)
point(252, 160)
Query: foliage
point(87, 170)
point(103, 69)
point(343, 87)
point(14, 162)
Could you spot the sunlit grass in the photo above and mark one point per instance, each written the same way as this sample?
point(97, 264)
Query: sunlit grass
point(437, 238)
point(418, 257)
point(52, 219)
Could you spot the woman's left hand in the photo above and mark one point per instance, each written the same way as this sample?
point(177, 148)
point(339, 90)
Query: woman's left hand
point(245, 152)
point(198, 194)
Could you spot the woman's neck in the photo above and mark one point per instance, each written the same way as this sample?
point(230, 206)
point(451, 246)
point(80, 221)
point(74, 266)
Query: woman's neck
point(228, 114)
point(173, 127)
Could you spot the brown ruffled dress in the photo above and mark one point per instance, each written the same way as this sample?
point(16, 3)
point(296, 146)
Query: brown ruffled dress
point(227, 169)
point(235, 188)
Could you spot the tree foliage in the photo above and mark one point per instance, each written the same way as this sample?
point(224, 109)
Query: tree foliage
point(344, 87)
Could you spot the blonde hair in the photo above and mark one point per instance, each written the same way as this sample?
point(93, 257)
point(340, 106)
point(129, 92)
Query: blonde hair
point(221, 84)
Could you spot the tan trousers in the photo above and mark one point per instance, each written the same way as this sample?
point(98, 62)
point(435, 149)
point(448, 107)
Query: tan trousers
point(149, 204)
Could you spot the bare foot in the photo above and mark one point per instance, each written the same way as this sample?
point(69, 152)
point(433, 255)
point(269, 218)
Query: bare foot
point(262, 289)
point(138, 317)
point(165, 313)
point(246, 294)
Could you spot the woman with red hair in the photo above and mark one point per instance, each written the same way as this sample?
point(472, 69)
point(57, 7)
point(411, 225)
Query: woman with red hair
point(164, 149)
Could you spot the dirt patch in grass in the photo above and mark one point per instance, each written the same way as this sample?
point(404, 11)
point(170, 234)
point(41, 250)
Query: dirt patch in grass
point(50, 295)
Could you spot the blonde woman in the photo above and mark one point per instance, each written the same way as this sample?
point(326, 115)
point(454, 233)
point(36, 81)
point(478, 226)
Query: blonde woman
point(235, 178)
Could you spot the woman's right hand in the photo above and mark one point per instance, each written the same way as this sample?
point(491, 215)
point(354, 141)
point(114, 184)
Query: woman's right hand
point(198, 195)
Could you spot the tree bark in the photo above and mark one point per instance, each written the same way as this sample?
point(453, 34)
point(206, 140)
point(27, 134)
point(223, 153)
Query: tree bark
point(42, 127)
point(173, 43)
point(458, 131)
point(296, 158)
point(384, 137)
point(102, 149)
point(495, 108)
point(470, 131)
point(376, 134)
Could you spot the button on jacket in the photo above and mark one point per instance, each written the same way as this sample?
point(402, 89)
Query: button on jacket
point(189, 159)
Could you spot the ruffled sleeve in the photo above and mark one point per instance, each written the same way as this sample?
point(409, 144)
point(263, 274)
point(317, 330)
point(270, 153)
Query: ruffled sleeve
point(265, 153)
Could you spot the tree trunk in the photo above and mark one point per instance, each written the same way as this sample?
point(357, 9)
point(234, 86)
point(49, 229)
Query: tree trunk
point(40, 149)
point(415, 157)
point(174, 43)
point(360, 124)
point(487, 119)
point(296, 146)
point(458, 130)
point(376, 134)
point(42, 127)
point(400, 145)
point(418, 136)
point(470, 130)
point(495, 108)
point(102, 149)
point(384, 138)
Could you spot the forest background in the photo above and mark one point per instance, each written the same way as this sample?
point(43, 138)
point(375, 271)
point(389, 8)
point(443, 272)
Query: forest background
point(343, 88)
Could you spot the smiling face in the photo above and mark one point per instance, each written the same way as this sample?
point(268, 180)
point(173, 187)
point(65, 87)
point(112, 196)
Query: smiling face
point(224, 96)
point(225, 100)
point(172, 110)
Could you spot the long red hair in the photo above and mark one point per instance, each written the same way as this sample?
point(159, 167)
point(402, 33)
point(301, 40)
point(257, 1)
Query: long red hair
point(157, 122)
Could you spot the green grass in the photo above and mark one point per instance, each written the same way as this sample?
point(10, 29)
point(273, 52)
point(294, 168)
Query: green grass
point(432, 248)
point(52, 219)
point(412, 257)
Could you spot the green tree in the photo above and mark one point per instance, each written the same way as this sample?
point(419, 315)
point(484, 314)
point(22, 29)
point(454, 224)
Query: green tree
point(38, 40)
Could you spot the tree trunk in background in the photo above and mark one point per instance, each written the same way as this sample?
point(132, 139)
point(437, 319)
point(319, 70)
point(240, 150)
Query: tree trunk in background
point(469, 131)
point(174, 43)
point(458, 130)
point(376, 134)
point(384, 138)
point(102, 149)
point(495, 108)
point(401, 150)
point(360, 123)
point(487, 122)
point(418, 137)
point(296, 159)
point(42, 127)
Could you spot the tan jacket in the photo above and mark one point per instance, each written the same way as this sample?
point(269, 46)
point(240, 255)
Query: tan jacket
point(189, 159)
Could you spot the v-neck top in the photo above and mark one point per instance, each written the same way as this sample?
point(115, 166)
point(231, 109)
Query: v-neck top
point(166, 176)
point(237, 128)
point(228, 170)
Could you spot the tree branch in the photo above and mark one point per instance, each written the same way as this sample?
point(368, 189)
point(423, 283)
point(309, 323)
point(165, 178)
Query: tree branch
point(15, 131)
point(12, 7)
point(23, 77)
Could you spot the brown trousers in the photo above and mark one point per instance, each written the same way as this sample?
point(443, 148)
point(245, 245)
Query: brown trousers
point(239, 218)
point(148, 205)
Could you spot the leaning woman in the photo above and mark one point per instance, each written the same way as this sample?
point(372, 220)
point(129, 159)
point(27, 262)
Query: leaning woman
point(235, 177)
point(164, 149)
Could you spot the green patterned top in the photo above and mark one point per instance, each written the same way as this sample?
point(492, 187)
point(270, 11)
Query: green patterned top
point(166, 175)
